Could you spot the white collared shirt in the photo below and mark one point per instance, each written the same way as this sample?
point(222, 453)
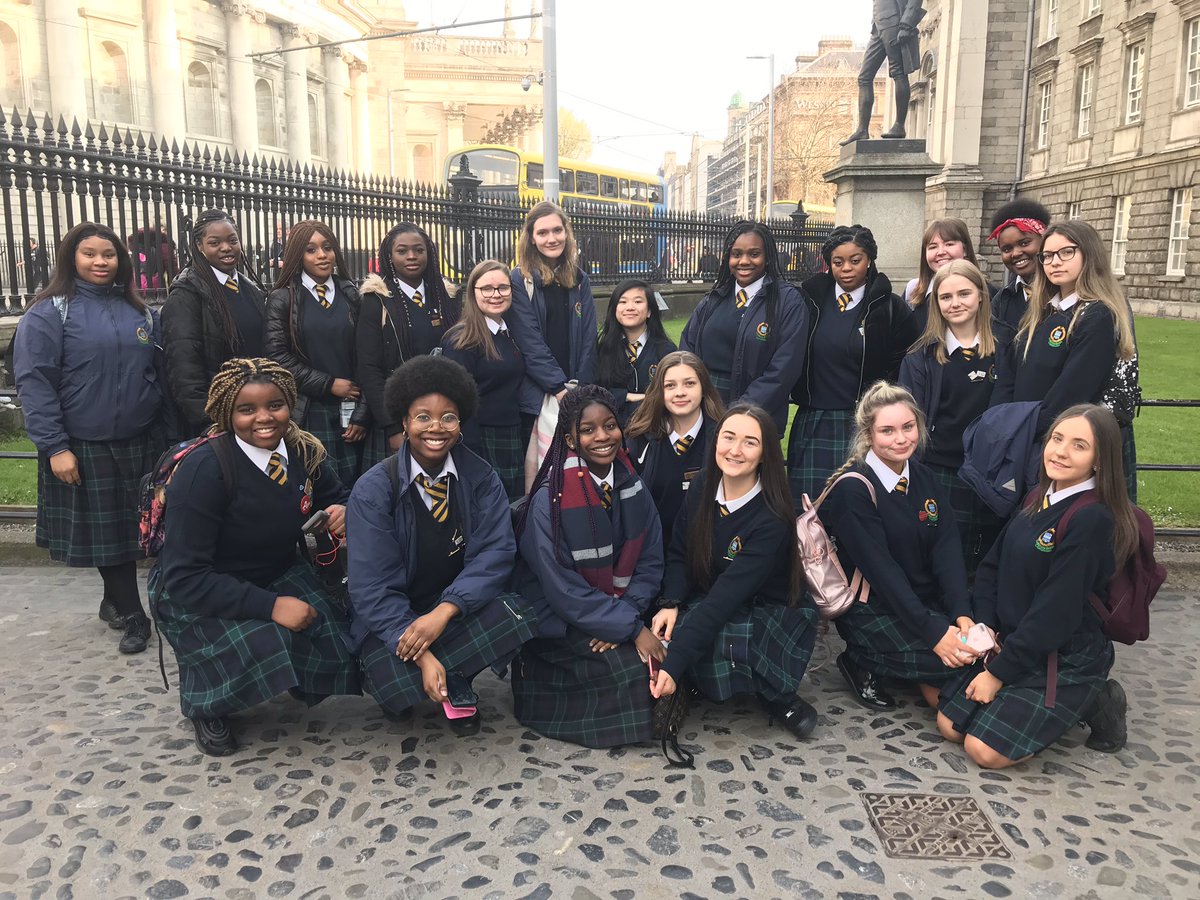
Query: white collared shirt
point(309, 282)
point(751, 289)
point(734, 505)
point(222, 277)
point(641, 342)
point(856, 295)
point(1054, 496)
point(409, 290)
point(888, 478)
point(493, 326)
point(260, 456)
point(414, 469)
point(1064, 305)
point(692, 432)
point(953, 343)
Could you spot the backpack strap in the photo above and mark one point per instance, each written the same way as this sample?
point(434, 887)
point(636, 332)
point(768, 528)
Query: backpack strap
point(825, 493)
point(222, 445)
point(392, 466)
point(1087, 498)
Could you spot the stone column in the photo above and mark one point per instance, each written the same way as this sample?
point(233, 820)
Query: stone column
point(455, 113)
point(362, 116)
point(243, 104)
point(65, 49)
point(295, 90)
point(166, 82)
point(338, 138)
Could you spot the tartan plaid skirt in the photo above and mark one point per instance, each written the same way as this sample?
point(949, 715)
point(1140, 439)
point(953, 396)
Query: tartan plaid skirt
point(1018, 723)
point(374, 448)
point(723, 382)
point(227, 665)
point(501, 446)
point(96, 523)
point(487, 637)
point(978, 526)
point(762, 651)
point(323, 420)
point(880, 643)
point(565, 691)
point(819, 443)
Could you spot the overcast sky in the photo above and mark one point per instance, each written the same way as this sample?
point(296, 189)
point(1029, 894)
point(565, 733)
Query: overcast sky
point(646, 74)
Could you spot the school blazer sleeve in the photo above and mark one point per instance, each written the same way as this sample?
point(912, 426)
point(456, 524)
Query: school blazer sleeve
point(983, 595)
point(675, 581)
point(491, 547)
point(1058, 605)
point(277, 344)
point(1006, 370)
point(168, 415)
point(949, 568)
point(1092, 355)
point(588, 368)
point(913, 375)
point(570, 597)
point(37, 370)
point(772, 389)
point(369, 371)
point(328, 488)
point(540, 365)
point(853, 518)
point(904, 334)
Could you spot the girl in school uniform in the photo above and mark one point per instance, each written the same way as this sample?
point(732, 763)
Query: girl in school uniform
point(245, 613)
point(1033, 591)
point(749, 329)
point(431, 549)
point(733, 605)
point(944, 241)
point(214, 312)
point(631, 345)
point(858, 333)
point(670, 436)
point(591, 564)
point(905, 541)
point(1076, 343)
point(92, 391)
point(483, 344)
point(310, 332)
point(1017, 229)
point(950, 372)
point(405, 312)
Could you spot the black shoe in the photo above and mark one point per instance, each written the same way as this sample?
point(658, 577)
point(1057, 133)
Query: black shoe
point(214, 737)
point(137, 634)
point(108, 613)
point(865, 685)
point(798, 717)
point(466, 726)
point(1107, 720)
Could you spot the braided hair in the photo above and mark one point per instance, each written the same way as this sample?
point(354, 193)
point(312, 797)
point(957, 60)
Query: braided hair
point(436, 295)
point(875, 398)
point(214, 290)
point(570, 412)
point(773, 270)
point(858, 235)
point(234, 375)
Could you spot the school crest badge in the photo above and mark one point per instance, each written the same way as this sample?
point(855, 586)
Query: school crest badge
point(1058, 334)
point(306, 498)
point(653, 370)
point(762, 331)
point(578, 310)
point(929, 512)
point(142, 335)
point(1045, 541)
point(734, 548)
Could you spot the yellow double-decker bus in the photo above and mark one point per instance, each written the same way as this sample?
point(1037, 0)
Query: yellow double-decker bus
point(507, 170)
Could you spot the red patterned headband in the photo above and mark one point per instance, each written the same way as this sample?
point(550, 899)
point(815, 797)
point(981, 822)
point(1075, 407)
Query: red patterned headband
point(1031, 226)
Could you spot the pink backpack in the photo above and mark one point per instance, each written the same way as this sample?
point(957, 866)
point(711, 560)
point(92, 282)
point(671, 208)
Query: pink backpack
point(832, 593)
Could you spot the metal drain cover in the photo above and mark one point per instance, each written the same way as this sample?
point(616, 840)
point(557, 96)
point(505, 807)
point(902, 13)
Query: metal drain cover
point(926, 826)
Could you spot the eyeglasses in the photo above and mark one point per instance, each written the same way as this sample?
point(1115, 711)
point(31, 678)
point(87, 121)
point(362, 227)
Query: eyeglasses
point(488, 292)
point(1066, 254)
point(449, 420)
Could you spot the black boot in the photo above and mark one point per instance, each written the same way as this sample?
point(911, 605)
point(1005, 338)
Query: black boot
point(866, 103)
point(108, 613)
point(797, 716)
point(214, 737)
point(1107, 719)
point(865, 685)
point(137, 634)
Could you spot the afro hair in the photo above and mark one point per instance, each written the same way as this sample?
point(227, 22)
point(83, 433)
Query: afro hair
point(1021, 208)
point(425, 375)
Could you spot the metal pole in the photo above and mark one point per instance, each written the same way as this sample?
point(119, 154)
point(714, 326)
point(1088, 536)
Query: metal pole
point(771, 142)
point(550, 101)
point(391, 139)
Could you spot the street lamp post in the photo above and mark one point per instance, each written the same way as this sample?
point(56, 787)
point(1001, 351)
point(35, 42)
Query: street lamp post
point(770, 132)
point(550, 101)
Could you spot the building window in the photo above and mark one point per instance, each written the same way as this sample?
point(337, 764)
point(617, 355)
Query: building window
point(10, 68)
point(314, 126)
point(422, 163)
point(932, 98)
point(1120, 234)
point(111, 99)
point(1075, 210)
point(1135, 81)
point(1191, 32)
point(1051, 25)
point(1045, 97)
point(1085, 92)
point(1181, 217)
point(198, 101)
point(264, 102)
point(1091, 8)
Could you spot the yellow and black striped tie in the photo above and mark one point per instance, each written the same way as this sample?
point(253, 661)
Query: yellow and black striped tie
point(438, 490)
point(322, 290)
point(742, 299)
point(724, 509)
point(843, 302)
point(632, 352)
point(1027, 290)
point(1046, 502)
point(902, 486)
point(231, 284)
point(968, 352)
point(418, 299)
point(681, 445)
point(606, 495)
point(277, 469)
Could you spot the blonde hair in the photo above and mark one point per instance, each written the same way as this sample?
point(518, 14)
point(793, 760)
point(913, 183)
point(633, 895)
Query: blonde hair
point(565, 270)
point(878, 395)
point(936, 325)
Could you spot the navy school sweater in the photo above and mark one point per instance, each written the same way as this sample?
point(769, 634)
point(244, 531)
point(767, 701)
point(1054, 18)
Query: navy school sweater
point(498, 380)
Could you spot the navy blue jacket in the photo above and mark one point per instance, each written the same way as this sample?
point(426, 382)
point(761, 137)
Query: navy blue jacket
point(527, 320)
point(95, 376)
point(381, 545)
point(765, 366)
point(1001, 461)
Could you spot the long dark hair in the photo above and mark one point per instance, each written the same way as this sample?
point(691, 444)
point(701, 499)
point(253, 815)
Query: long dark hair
point(62, 279)
point(776, 491)
point(774, 271)
point(214, 290)
point(614, 363)
point(436, 295)
point(292, 265)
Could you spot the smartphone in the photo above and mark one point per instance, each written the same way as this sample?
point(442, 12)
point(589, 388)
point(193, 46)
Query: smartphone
point(459, 692)
point(317, 522)
point(653, 664)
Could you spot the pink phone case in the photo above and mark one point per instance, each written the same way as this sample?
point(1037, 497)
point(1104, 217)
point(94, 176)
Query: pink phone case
point(979, 638)
point(454, 712)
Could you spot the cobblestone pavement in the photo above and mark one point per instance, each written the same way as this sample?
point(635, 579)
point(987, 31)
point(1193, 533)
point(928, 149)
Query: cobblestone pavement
point(103, 793)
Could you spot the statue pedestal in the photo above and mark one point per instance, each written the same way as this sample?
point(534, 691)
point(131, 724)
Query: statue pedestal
point(881, 184)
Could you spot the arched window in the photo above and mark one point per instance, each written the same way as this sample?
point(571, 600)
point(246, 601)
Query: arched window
point(11, 93)
point(264, 101)
point(314, 127)
point(110, 76)
point(422, 163)
point(198, 100)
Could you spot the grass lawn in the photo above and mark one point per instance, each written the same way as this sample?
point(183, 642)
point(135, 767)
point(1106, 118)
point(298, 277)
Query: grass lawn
point(18, 477)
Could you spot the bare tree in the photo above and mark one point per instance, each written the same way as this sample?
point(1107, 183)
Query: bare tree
point(574, 136)
point(816, 112)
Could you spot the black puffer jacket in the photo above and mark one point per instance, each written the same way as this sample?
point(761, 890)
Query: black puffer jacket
point(195, 345)
point(284, 325)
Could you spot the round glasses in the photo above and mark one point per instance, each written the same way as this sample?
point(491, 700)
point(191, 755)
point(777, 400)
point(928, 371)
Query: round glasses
point(449, 420)
point(488, 292)
point(1066, 254)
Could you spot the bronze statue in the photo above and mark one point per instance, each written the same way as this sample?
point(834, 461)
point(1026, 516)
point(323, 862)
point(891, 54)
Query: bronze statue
point(894, 38)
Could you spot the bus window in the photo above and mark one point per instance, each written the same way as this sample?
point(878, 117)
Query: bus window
point(566, 180)
point(533, 176)
point(497, 168)
point(587, 183)
point(608, 186)
point(640, 194)
point(625, 189)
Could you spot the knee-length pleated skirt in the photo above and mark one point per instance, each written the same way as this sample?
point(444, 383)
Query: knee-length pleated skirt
point(880, 642)
point(501, 446)
point(819, 443)
point(323, 420)
point(227, 665)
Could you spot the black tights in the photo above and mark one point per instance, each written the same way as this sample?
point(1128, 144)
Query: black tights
point(121, 588)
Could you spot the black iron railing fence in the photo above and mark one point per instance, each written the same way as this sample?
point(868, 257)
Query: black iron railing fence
point(53, 176)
